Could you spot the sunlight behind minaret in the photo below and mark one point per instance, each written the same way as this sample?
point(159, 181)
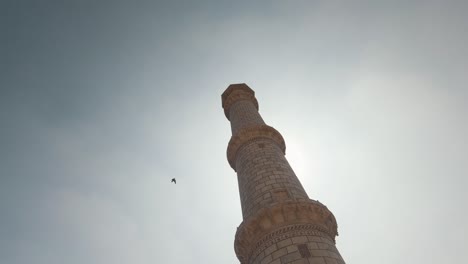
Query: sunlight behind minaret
point(295, 154)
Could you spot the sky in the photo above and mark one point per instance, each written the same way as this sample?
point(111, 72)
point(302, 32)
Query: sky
point(102, 103)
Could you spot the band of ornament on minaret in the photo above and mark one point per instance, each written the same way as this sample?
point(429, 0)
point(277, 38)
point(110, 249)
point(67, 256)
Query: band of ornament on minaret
point(231, 96)
point(248, 134)
point(281, 221)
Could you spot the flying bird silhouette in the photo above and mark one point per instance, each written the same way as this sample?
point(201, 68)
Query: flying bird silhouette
point(174, 181)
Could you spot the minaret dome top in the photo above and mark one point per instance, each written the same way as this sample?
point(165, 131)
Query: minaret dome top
point(237, 92)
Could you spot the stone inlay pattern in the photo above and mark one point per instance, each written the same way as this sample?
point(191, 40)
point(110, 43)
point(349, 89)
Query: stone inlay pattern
point(281, 221)
point(247, 134)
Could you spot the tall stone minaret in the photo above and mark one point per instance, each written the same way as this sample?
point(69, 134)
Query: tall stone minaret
point(280, 223)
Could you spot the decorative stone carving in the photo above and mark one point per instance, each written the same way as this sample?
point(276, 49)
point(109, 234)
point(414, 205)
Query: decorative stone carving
point(249, 133)
point(236, 96)
point(233, 87)
point(281, 221)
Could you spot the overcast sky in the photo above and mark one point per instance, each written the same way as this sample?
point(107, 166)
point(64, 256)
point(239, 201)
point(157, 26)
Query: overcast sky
point(102, 103)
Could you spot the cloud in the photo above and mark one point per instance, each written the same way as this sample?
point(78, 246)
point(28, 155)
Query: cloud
point(96, 227)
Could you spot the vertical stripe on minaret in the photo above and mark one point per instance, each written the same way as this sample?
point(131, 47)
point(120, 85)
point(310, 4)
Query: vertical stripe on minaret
point(280, 223)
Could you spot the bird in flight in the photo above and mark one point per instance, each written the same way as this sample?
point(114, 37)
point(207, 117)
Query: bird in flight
point(174, 181)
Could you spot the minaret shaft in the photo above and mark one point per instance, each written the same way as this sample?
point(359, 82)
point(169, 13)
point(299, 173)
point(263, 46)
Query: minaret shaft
point(265, 177)
point(244, 114)
point(280, 223)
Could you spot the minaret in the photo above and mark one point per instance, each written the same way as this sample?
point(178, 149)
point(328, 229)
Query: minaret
point(280, 223)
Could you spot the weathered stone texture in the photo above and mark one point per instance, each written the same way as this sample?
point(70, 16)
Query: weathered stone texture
point(244, 114)
point(286, 251)
point(280, 223)
point(265, 176)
